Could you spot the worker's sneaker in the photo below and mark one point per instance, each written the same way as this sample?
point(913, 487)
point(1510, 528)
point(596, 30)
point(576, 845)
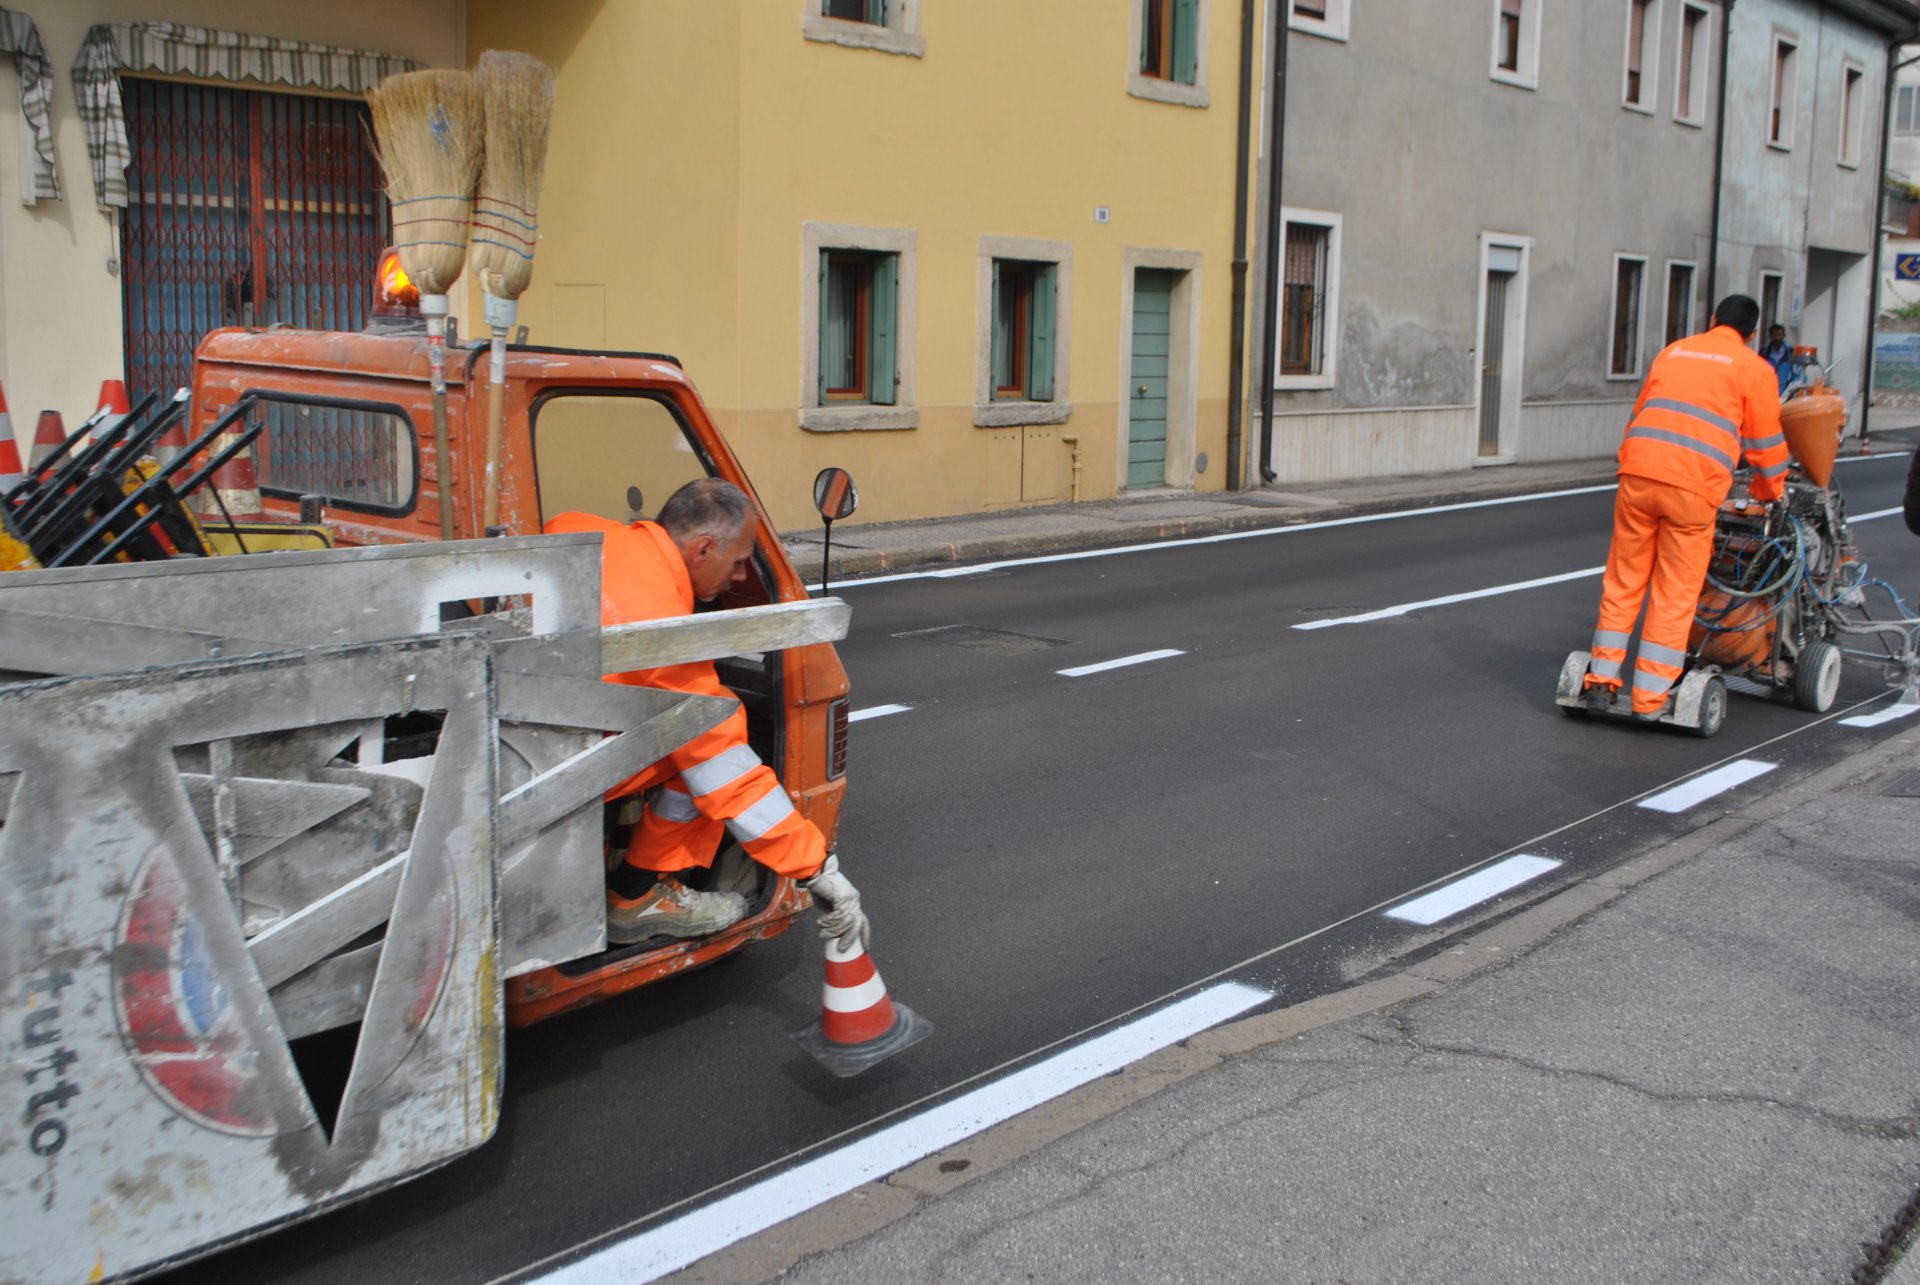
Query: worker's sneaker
point(670, 909)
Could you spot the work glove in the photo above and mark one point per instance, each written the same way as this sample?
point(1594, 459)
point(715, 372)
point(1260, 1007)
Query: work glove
point(842, 919)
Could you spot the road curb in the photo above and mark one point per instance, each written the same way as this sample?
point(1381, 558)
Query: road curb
point(878, 1204)
point(849, 561)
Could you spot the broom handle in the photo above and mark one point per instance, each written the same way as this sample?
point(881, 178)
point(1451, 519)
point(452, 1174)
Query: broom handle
point(496, 422)
point(434, 309)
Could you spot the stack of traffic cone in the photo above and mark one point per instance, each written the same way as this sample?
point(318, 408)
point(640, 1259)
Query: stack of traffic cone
point(12, 471)
point(47, 435)
point(235, 484)
point(859, 1024)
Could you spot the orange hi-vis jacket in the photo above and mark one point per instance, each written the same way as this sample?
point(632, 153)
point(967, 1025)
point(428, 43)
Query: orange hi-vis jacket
point(1707, 399)
point(715, 779)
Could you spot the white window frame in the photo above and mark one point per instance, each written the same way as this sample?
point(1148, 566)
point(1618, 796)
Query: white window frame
point(1527, 76)
point(900, 34)
point(1005, 413)
point(1613, 318)
point(1912, 91)
point(1332, 27)
point(1153, 88)
point(1853, 115)
point(1329, 313)
point(1512, 393)
point(1789, 91)
point(853, 417)
point(1693, 293)
point(1649, 60)
point(1700, 75)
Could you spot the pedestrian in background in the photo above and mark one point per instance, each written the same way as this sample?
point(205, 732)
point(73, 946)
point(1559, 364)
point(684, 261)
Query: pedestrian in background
point(1779, 355)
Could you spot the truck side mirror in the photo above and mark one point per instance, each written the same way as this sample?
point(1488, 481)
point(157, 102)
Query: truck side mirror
point(836, 497)
point(834, 494)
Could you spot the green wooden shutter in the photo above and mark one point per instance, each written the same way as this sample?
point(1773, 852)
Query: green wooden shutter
point(820, 341)
point(1186, 41)
point(882, 365)
point(877, 15)
point(1041, 326)
point(998, 356)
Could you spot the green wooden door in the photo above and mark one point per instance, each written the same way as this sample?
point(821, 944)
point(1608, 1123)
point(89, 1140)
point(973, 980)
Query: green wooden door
point(1147, 387)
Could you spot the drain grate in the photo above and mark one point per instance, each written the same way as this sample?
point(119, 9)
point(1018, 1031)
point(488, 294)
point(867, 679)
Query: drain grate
point(979, 638)
point(1904, 786)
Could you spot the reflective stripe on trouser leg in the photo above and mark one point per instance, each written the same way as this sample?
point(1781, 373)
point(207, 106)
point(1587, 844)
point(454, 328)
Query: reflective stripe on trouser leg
point(1609, 654)
point(1683, 547)
point(673, 833)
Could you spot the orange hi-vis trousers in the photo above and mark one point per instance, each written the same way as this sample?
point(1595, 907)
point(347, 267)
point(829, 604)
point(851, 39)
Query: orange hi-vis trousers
point(1662, 541)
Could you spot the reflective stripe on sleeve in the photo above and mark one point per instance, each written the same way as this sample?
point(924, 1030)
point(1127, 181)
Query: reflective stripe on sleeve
point(1701, 413)
point(721, 770)
point(1777, 470)
point(1722, 458)
point(769, 810)
point(1661, 655)
point(673, 805)
point(1609, 638)
point(1766, 443)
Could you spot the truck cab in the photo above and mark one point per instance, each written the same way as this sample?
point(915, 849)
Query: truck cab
point(347, 437)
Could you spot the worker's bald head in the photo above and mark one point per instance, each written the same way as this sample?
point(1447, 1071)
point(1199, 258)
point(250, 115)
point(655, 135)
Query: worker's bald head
point(711, 523)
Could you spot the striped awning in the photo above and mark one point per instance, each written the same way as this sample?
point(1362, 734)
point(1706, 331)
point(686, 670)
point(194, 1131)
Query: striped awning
point(176, 49)
point(19, 37)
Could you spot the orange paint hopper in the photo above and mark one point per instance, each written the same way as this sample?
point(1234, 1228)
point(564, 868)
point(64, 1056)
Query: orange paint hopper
point(1812, 422)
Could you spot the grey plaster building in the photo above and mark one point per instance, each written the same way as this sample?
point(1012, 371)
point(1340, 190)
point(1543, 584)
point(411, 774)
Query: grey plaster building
point(1496, 212)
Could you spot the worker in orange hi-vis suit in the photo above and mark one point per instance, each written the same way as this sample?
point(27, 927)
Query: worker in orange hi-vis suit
point(1708, 399)
point(700, 545)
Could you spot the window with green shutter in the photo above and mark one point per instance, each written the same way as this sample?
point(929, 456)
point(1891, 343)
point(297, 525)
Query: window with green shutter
point(873, 11)
point(1025, 301)
point(1169, 40)
point(859, 325)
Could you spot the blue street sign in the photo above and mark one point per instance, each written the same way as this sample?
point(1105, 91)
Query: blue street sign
point(1906, 267)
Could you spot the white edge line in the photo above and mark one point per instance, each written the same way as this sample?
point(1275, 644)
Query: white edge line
point(1081, 671)
point(877, 711)
point(1405, 607)
point(1698, 790)
point(1481, 886)
point(746, 1212)
point(1295, 528)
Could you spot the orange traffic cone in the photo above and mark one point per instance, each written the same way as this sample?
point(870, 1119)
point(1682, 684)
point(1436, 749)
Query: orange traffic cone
point(859, 1024)
point(113, 400)
point(234, 483)
point(47, 434)
point(12, 471)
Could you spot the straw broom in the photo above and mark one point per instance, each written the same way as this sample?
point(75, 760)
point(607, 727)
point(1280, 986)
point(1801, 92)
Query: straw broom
point(429, 130)
point(518, 92)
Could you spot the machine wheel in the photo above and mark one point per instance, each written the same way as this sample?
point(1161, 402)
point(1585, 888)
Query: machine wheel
point(1713, 708)
point(1816, 678)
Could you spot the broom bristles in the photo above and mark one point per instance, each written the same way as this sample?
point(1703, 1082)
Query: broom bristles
point(429, 128)
point(518, 92)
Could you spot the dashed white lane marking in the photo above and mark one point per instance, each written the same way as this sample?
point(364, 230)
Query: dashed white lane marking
point(877, 711)
point(1869, 517)
point(1225, 537)
point(1706, 785)
point(1899, 709)
point(1385, 613)
point(691, 1237)
point(1481, 885)
point(1079, 671)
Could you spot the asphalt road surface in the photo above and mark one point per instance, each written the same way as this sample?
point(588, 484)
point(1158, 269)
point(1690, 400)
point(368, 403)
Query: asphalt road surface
point(1044, 853)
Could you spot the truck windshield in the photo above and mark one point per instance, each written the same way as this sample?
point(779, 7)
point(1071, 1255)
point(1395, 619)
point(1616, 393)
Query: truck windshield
point(588, 448)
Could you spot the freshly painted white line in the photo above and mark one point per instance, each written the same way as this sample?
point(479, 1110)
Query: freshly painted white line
point(1706, 785)
point(1899, 709)
point(877, 711)
point(1869, 517)
point(1481, 885)
point(1141, 659)
point(1225, 537)
point(1405, 607)
point(691, 1237)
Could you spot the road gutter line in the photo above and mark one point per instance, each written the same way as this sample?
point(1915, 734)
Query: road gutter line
point(711, 1228)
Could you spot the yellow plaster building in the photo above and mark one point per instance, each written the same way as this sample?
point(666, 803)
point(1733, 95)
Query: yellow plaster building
point(954, 247)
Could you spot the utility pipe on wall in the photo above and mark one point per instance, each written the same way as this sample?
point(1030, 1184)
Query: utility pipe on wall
point(1719, 156)
point(1236, 343)
point(1276, 249)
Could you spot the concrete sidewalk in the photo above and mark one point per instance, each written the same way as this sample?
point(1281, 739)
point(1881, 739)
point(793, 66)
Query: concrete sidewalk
point(866, 549)
point(1702, 1065)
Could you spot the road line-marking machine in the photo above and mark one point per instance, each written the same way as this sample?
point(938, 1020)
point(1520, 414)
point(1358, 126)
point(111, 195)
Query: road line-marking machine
point(1787, 596)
